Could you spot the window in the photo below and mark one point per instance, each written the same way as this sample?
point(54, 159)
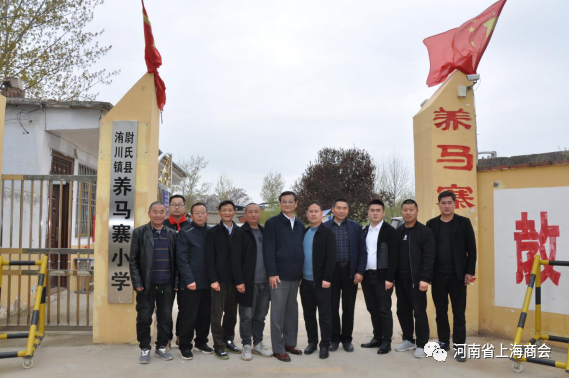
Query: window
point(85, 202)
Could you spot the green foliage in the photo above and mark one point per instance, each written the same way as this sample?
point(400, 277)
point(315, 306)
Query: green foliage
point(45, 44)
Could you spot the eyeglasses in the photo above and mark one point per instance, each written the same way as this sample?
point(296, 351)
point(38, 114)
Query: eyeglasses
point(177, 205)
point(199, 213)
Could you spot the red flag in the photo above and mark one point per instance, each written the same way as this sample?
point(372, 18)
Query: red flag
point(461, 48)
point(153, 60)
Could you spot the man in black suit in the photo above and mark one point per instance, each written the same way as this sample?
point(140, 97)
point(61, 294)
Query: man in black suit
point(319, 246)
point(454, 268)
point(377, 285)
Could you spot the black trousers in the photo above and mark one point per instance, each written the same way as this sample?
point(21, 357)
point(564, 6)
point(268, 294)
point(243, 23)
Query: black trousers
point(224, 305)
point(379, 303)
point(194, 313)
point(314, 297)
point(160, 296)
point(444, 286)
point(412, 304)
point(343, 286)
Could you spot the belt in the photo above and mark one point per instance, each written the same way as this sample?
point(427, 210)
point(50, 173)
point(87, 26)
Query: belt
point(371, 271)
point(343, 263)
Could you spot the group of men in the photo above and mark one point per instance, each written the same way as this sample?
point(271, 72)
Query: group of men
point(216, 272)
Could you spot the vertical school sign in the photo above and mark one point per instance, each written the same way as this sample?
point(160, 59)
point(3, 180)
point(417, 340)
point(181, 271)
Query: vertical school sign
point(122, 210)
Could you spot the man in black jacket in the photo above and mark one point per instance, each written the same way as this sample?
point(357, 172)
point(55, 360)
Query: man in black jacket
point(176, 221)
point(219, 273)
point(377, 285)
point(195, 297)
point(319, 246)
point(413, 274)
point(252, 283)
point(283, 256)
point(455, 259)
point(349, 271)
point(152, 265)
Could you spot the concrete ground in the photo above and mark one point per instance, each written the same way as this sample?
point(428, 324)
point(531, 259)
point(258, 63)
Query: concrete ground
point(74, 355)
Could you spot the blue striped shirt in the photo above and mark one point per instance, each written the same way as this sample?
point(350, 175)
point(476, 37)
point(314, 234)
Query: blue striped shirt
point(161, 271)
point(342, 242)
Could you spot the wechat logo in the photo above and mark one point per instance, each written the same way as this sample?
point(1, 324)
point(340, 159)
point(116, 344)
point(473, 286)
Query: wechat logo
point(432, 349)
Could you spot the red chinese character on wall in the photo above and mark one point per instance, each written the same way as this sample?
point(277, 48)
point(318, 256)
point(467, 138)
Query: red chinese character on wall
point(462, 195)
point(451, 118)
point(532, 242)
point(456, 151)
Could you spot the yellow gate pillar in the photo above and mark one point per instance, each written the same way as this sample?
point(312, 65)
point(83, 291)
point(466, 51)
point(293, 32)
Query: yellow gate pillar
point(445, 154)
point(115, 323)
point(2, 118)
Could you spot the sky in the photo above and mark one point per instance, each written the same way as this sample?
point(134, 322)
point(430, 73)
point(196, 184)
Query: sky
point(261, 86)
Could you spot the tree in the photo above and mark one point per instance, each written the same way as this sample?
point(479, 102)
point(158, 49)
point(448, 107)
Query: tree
point(190, 186)
point(45, 45)
point(395, 181)
point(272, 187)
point(225, 190)
point(347, 173)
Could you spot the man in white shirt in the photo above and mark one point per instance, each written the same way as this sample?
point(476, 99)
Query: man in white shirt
point(377, 285)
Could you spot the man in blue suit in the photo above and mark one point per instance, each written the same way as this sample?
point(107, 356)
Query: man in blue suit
point(349, 270)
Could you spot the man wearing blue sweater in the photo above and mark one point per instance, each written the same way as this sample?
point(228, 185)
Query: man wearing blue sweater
point(284, 257)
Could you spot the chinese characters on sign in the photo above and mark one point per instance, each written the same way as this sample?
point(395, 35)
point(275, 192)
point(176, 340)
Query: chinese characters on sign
point(121, 210)
point(454, 156)
point(532, 242)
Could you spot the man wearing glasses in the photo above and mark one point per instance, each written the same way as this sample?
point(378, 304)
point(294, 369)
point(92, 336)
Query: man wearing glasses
point(195, 303)
point(176, 221)
point(284, 257)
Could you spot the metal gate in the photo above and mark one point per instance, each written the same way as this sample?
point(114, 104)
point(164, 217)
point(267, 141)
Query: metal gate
point(49, 215)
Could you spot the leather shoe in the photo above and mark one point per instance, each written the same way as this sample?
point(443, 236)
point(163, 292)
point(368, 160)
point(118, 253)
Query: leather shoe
point(310, 348)
point(371, 344)
point(324, 353)
point(384, 348)
point(444, 346)
point(333, 347)
point(348, 347)
point(282, 357)
point(293, 350)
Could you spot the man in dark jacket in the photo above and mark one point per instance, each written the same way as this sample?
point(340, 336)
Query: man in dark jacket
point(176, 221)
point(455, 259)
point(195, 297)
point(413, 274)
point(283, 256)
point(377, 285)
point(252, 283)
point(219, 273)
point(319, 246)
point(349, 271)
point(152, 264)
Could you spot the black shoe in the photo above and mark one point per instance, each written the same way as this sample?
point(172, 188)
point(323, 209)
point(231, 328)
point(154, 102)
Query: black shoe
point(186, 354)
point(384, 348)
point(221, 354)
point(348, 347)
point(371, 344)
point(333, 347)
point(324, 353)
point(460, 354)
point(310, 348)
point(205, 349)
point(444, 346)
point(231, 347)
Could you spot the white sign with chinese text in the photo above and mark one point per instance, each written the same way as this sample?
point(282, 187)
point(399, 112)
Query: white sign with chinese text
point(122, 210)
point(531, 221)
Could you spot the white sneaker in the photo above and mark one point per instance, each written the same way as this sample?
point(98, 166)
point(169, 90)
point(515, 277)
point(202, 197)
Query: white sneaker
point(246, 353)
point(406, 345)
point(419, 353)
point(262, 350)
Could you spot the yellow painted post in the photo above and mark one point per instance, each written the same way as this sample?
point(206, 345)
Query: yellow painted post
point(445, 149)
point(115, 323)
